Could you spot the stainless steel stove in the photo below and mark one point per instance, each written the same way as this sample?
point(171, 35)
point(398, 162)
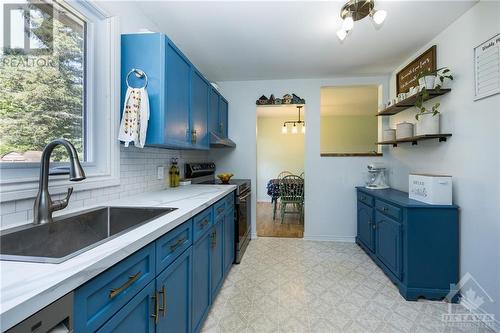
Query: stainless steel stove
point(204, 173)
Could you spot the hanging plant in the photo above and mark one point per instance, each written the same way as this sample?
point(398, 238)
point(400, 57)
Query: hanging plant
point(441, 75)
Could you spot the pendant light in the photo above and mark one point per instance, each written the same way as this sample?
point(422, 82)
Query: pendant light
point(355, 10)
point(295, 129)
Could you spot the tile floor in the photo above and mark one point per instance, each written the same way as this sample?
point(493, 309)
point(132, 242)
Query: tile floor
point(292, 285)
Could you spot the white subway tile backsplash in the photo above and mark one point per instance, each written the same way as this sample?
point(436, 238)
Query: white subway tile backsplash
point(137, 175)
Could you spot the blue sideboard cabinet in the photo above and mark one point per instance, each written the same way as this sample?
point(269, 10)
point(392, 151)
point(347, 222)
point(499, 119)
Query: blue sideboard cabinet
point(415, 244)
point(182, 100)
point(168, 285)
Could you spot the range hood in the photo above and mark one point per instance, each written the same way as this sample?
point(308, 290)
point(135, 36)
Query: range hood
point(218, 142)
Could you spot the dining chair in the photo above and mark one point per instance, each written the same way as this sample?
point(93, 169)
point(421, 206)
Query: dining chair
point(292, 194)
point(275, 199)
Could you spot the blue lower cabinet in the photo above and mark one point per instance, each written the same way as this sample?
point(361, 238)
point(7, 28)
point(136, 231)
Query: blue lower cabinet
point(173, 292)
point(229, 237)
point(414, 243)
point(366, 225)
point(201, 280)
point(136, 316)
point(100, 298)
point(217, 256)
point(389, 246)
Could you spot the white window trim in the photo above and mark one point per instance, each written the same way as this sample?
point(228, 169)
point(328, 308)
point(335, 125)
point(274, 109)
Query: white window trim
point(105, 171)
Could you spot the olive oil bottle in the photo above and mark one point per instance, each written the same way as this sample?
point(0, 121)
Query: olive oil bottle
point(174, 173)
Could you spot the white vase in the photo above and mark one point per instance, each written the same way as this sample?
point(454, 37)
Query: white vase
point(427, 81)
point(428, 124)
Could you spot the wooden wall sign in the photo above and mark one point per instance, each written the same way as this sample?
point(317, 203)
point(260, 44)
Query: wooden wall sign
point(407, 77)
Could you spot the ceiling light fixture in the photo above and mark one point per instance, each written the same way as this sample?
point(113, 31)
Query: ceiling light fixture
point(355, 10)
point(295, 130)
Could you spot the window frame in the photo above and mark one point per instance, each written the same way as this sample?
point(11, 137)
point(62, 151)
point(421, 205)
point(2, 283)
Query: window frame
point(101, 116)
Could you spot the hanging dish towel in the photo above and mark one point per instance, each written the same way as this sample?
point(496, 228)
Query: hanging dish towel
point(134, 125)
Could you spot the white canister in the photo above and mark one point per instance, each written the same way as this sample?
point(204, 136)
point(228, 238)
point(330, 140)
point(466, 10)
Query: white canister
point(428, 124)
point(389, 135)
point(404, 130)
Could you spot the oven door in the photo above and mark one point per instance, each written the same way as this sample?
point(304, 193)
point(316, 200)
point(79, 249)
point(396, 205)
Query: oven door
point(244, 206)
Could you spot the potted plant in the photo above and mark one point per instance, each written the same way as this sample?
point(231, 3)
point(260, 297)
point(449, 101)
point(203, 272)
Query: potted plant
point(428, 79)
point(428, 119)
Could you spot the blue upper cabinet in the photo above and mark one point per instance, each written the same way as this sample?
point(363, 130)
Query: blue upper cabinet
point(176, 131)
point(199, 110)
point(223, 116)
point(180, 97)
point(214, 111)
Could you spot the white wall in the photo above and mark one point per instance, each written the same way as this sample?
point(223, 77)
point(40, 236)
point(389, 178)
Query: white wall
point(472, 155)
point(329, 188)
point(276, 152)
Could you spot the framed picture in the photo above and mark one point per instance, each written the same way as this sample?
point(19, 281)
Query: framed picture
point(487, 68)
point(407, 77)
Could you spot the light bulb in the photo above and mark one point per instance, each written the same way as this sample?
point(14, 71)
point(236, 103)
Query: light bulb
point(379, 16)
point(304, 129)
point(294, 129)
point(284, 130)
point(348, 23)
point(341, 34)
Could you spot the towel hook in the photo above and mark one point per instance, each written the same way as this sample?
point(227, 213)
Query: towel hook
point(139, 74)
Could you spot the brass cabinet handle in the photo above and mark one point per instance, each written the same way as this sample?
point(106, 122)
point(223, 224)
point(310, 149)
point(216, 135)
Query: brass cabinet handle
point(220, 210)
point(179, 242)
point(163, 308)
point(214, 238)
point(194, 136)
point(131, 279)
point(155, 315)
point(385, 209)
point(204, 223)
point(374, 225)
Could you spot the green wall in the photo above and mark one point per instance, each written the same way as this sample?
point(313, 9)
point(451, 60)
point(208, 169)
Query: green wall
point(348, 134)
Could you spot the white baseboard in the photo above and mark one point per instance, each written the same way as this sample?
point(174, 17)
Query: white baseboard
point(347, 239)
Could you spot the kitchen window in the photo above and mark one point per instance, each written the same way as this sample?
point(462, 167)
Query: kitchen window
point(59, 73)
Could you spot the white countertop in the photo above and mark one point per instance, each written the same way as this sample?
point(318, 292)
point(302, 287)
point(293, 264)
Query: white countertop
point(25, 288)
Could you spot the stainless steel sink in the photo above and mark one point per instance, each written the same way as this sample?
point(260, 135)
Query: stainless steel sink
point(73, 234)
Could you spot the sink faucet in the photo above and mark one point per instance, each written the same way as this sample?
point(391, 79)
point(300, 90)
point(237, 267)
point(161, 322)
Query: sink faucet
point(44, 206)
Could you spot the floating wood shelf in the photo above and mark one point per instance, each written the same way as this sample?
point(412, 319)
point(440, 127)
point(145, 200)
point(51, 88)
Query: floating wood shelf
point(415, 139)
point(410, 102)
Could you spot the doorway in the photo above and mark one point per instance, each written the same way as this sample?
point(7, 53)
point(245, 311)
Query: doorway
point(280, 170)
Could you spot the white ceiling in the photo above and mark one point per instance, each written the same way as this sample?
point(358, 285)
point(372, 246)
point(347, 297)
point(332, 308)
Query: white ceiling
point(349, 100)
point(278, 111)
point(247, 40)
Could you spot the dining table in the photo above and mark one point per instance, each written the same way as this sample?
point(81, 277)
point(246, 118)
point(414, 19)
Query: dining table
point(273, 190)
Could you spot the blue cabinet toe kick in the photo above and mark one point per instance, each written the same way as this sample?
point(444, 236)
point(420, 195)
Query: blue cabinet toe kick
point(416, 245)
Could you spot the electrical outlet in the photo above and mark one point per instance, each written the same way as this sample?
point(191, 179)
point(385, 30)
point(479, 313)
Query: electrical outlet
point(160, 173)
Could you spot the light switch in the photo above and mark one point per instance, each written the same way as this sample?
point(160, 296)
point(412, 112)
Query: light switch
point(161, 172)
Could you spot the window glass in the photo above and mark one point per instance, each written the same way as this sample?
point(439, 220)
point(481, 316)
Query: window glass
point(42, 77)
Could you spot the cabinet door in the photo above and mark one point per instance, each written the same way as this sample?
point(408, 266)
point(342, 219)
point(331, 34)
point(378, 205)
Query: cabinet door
point(389, 243)
point(136, 316)
point(199, 110)
point(223, 116)
point(229, 230)
point(173, 287)
point(217, 255)
point(178, 72)
point(214, 111)
point(365, 225)
point(201, 280)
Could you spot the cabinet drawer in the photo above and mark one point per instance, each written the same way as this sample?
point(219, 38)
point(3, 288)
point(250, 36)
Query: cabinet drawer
point(365, 198)
point(388, 209)
point(202, 223)
point(97, 300)
point(171, 245)
point(219, 208)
